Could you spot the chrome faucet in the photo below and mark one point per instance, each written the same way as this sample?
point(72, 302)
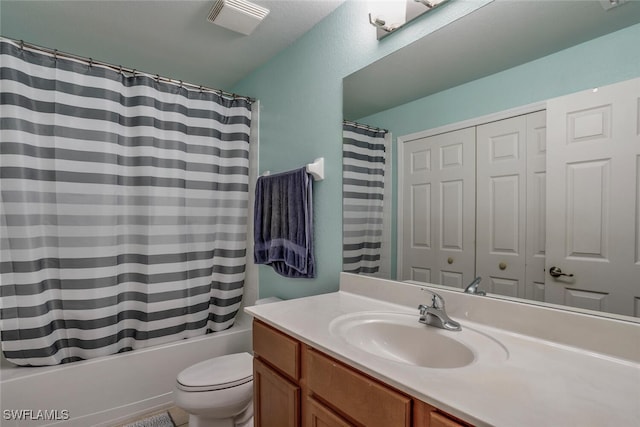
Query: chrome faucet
point(473, 287)
point(435, 315)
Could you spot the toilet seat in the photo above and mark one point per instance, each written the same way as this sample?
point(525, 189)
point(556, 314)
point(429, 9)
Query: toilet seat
point(217, 373)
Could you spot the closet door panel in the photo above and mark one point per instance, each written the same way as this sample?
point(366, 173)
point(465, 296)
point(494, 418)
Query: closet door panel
point(536, 205)
point(438, 215)
point(418, 249)
point(501, 206)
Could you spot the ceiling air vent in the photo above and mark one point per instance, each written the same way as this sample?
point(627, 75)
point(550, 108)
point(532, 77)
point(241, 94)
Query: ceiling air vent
point(237, 15)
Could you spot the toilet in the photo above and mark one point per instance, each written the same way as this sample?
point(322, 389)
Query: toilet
point(217, 392)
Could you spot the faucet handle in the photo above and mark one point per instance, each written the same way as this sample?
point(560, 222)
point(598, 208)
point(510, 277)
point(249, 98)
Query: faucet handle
point(472, 288)
point(437, 301)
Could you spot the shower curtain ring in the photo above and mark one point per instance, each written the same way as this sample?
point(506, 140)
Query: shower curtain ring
point(158, 78)
point(55, 55)
point(21, 44)
point(90, 62)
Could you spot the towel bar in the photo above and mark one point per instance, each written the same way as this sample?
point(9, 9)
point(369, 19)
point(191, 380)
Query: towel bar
point(316, 169)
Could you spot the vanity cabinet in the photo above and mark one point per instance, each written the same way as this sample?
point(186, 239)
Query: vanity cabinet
point(276, 378)
point(297, 385)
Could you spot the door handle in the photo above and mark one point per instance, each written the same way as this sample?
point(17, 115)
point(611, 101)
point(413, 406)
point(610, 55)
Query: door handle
point(557, 272)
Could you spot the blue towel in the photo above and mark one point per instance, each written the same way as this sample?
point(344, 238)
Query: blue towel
point(283, 215)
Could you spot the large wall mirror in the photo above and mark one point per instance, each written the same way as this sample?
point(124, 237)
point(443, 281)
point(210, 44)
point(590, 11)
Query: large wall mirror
point(502, 159)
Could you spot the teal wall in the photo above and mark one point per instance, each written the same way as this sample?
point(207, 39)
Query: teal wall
point(605, 60)
point(300, 93)
point(608, 59)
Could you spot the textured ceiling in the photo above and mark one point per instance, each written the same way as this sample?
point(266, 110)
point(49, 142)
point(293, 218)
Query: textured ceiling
point(170, 38)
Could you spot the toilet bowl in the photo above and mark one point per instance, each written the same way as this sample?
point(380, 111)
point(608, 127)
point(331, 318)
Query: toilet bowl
point(217, 392)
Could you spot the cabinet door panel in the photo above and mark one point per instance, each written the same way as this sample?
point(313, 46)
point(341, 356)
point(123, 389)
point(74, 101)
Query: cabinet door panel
point(438, 420)
point(317, 415)
point(276, 400)
point(366, 401)
point(280, 350)
point(425, 415)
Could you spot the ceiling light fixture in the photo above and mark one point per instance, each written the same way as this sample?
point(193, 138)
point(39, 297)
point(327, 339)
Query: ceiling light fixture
point(610, 4)
point(381, 24)
point(411, 12)
point(428, 3)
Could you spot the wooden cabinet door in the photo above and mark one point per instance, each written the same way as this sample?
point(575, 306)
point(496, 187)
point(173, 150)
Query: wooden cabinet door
point(280, 350)
point(276, 400)
point(425, 415)
point(438, 420)
point(318, 415)
point(364, 400)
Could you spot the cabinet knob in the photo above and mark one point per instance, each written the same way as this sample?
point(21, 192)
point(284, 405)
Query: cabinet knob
point(450, 260)
point(502, 266)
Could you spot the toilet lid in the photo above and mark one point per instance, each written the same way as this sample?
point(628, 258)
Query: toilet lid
point(218, 373)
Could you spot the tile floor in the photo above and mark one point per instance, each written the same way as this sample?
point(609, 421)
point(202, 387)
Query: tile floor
point(180, 418)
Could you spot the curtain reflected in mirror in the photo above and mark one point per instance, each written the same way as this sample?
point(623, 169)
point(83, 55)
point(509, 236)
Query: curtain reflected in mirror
point(365, 168)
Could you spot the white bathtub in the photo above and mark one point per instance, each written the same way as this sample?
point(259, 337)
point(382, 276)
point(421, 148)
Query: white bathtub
point(106, 390)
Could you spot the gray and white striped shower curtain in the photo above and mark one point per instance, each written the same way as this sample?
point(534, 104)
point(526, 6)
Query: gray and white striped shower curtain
point(363, 165)
point(123, 209)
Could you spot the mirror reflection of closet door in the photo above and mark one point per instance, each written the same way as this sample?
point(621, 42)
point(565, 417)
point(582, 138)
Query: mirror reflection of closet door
point(536, 205)
point(438, 218)
point(593, 199)
point(501, 206)
point(510, 213)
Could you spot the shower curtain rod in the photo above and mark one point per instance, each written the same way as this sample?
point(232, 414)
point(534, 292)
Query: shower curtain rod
point(363, 126)
point(119, 68)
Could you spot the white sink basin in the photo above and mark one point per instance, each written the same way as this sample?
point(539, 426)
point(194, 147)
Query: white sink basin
point(399, 337)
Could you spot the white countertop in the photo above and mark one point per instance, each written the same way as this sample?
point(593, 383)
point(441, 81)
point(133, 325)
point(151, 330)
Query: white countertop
point(541, 383)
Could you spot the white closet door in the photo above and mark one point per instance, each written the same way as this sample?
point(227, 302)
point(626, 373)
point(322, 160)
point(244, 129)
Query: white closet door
point(536, 205)
point(501, 206)
point(438, 225)
point(593, 211)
